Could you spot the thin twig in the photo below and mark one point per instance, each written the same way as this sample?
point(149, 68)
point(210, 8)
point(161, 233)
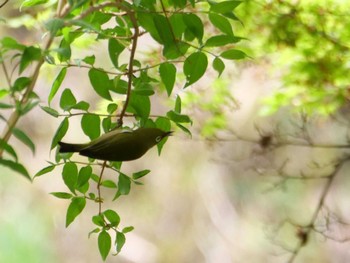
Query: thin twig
point(130, 72)
point(100, 200)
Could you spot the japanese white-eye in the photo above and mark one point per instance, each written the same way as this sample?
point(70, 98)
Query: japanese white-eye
point(118, 145)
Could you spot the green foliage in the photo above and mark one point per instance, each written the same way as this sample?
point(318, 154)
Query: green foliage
point(310, 38)
point(188, 36)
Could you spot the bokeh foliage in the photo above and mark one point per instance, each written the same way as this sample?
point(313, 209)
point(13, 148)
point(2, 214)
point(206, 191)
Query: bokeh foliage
point(307, 44)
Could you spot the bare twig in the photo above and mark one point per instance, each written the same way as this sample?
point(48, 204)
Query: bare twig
point(99, 198)
point(311, 226)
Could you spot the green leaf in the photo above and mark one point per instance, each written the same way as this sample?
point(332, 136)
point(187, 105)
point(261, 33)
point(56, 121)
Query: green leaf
point(163, 124)
point(5, 106)
point(115, 48)
point(163, 29)
point(57, 83)
point(98, 220)
point(221, 40)
point(194, 25)
point(107, 124)
point(224, 6)
point(45, 170)
point(67, 100)
point(101, 83)
point(127, 229)
point(17, 167)
point(64, 51)
point(29, 3)
point(112, 108)
point(70, 176)
point(124, 184)
point(81, 105)
point(96, 230)
point(146, 20)
point(61, 131)
point(90, 124)
point(140, 105)
point(178, 25)
point(112, 217)
point(178, 118)
point(29, 55)
point(90, 60)
point(120, 240)
point(221, 23)
point(9, 149)
point(109, 184)
point(21, 83)
point(23, 109)
point(184, 129)
point(104, 244)
point(218, 65)
point(194, 67)
point(50, 111)
point(175, 50)
point(177, 104)
point(62, 195)
point(84, 175)
point(20, 135)
point(140, 174)
point(4, 93)
point(10, 43)
point(233, 54)
point(54, 25)
point(167, 73)
point(75, 208)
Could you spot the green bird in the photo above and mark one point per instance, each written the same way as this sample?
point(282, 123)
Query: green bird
point(118, 145)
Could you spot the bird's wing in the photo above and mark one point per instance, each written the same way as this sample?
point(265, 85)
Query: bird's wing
point(107, 139)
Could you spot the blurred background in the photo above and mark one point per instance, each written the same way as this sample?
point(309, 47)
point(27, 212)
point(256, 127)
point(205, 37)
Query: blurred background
point(233, 192)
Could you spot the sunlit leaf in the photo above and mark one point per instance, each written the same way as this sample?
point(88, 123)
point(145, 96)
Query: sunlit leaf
point(194, 67)
point(61, 131)
point(90, 124)
point(75, 208)
point(67, 100)
point(233, 54)
point(45, 170)
point(57, 83)
point(167, 73)
point(104, 244)
point(70, 175)
point(62, 195)
point(101, 83)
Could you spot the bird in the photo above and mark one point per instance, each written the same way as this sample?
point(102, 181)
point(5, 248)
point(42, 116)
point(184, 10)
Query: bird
point(118, 145)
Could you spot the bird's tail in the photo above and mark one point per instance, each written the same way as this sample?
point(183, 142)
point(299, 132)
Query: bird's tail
point(70, 147)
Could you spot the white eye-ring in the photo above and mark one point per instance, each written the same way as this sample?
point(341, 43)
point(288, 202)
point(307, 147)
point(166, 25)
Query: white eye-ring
point(158, 139)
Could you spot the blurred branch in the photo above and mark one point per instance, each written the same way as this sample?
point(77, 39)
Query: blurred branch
point(303, 232)
point(4, 3)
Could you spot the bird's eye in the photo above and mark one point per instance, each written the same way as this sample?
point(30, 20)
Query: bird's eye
point(158, 139)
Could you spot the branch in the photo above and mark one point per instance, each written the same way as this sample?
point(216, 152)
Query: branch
point(4, 3)
point(100, 199)
point(130, 72)
point(304, 232)
point(14, 117)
